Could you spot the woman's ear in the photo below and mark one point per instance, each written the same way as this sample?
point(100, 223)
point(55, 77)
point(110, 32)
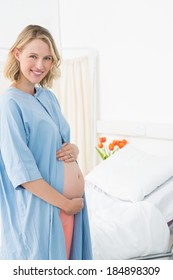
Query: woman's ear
point(16, 53)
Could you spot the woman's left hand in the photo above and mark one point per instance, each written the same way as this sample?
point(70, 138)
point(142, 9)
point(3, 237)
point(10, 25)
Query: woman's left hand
point(68, 152)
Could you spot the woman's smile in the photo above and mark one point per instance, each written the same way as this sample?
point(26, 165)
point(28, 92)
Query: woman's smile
point(37, 73)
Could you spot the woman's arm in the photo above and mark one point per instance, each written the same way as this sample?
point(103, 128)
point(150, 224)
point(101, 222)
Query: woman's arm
point(44, 191)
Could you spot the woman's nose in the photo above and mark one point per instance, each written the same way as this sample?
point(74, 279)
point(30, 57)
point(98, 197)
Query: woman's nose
point(39, 64)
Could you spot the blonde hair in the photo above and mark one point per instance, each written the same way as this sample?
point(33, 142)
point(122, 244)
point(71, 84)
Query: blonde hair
point(29, 33)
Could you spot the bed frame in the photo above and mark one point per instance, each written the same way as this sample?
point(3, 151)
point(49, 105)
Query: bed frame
point(167, 255)
point(153, 137)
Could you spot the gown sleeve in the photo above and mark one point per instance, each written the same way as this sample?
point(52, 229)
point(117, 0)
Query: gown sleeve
point(18, 159)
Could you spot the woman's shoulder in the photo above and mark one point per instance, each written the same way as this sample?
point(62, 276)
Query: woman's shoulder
point(6, 93)
point(6, 96)
point(8, 105)
point(13, 97)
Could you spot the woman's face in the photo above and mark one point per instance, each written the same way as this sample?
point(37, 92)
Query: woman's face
point(35, 61)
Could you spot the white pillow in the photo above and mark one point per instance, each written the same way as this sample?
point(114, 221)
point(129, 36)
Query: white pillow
point(131, 174)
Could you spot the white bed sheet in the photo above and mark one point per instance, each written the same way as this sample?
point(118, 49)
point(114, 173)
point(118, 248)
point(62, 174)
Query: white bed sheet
point(162, 198)
point(124, 230)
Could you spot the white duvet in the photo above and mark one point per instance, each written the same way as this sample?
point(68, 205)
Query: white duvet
point(124, 230)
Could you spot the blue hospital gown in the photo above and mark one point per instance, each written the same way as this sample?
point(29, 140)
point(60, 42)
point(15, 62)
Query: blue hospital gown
point(32, 129)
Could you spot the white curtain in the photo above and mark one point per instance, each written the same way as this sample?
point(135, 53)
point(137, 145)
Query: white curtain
point(75, 92)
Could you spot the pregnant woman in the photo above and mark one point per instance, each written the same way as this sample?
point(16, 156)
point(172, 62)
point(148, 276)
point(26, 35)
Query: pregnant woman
point(43, 208)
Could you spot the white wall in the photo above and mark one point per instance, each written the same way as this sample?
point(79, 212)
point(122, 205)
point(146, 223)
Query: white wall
point(16, 14)
point(135, 45)
point(133, 39)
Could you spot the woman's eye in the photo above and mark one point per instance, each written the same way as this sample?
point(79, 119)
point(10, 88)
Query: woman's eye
point(33, 56)
point(48, 58)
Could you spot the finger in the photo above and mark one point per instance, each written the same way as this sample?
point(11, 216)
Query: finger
point(63, 149)
point(62, 152)
point(69, 158)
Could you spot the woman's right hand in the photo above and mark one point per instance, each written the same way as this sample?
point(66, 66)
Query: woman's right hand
point(74, 206)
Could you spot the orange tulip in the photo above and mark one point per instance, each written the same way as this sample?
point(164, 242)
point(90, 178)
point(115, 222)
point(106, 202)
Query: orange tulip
point(100, 145)
point(116, 142)
point(121, 145)
point(111, 147)
point(102, 139)
point(124, 141)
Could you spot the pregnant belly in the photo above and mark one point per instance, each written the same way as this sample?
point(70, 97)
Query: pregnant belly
point(73, 180)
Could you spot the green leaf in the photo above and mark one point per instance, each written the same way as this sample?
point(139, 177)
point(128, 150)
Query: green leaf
point(100, 153)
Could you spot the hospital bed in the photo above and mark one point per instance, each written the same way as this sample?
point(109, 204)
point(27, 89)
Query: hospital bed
point(130, 194)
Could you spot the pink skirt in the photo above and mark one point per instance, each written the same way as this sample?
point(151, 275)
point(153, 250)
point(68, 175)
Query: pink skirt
point(67, 223)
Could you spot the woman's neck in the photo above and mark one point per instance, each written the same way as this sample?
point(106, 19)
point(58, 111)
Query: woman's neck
point(30, 89)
